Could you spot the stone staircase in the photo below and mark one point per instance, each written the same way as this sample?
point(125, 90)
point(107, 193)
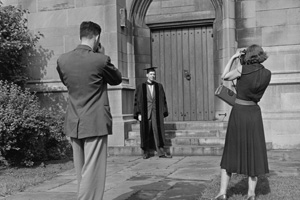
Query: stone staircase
point(182, 139)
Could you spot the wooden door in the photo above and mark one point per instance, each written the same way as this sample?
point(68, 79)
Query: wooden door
point(184, 57)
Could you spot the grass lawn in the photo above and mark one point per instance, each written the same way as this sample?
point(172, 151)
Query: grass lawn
point(270, 187)
point(18, 179)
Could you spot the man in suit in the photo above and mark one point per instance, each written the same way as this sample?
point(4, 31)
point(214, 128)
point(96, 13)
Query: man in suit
point(150, 108)
point(86, 71)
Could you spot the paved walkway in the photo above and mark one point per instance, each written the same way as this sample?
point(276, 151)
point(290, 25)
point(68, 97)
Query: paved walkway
point(133, 178)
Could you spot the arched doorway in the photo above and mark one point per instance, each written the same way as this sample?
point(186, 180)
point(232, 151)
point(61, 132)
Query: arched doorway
point(191, 100)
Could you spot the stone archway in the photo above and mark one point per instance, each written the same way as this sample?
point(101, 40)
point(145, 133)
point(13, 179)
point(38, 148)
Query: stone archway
point(224, 43)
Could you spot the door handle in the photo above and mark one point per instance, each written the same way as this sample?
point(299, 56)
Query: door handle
point(187, 74)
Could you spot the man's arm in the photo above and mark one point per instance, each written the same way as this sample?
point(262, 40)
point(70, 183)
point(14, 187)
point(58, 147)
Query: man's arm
point(60, 73)
point(137, 106)
point(165, 107)
point(111, 74)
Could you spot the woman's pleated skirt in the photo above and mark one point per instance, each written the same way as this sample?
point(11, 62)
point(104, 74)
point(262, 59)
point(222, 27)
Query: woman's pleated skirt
point(245, 146)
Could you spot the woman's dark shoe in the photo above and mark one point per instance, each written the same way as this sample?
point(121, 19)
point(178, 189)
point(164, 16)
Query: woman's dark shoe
point(251, 197)
point(221, 197)
point(165, 156)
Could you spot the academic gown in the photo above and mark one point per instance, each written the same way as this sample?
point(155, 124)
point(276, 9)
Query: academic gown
point(140, 107)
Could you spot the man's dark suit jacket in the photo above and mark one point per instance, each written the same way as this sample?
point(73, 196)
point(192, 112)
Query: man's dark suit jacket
point(86, 75)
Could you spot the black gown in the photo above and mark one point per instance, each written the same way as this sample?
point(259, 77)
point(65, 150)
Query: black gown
point(140, 107)
point(245, 147)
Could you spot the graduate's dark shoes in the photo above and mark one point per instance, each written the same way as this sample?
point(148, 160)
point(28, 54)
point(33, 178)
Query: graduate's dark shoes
point(146, 156)
point(165, 156)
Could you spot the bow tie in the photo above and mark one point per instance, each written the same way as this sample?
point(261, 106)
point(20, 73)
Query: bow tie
point(149, 83)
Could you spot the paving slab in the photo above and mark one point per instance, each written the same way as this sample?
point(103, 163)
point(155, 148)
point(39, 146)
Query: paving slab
point(134, 178)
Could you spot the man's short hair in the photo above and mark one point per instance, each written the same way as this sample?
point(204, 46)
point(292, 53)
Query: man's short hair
point(89, 29)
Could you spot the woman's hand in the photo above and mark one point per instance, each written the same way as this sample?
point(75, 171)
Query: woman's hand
point(229, 74)
point(238, 53)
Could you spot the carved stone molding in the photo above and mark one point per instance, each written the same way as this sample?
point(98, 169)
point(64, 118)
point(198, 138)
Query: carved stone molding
point(138, 11)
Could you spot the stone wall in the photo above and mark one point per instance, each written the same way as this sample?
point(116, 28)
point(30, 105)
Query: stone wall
point(59, 22)
point(275, 25)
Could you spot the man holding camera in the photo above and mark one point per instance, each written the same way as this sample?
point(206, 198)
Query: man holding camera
point(85, 72)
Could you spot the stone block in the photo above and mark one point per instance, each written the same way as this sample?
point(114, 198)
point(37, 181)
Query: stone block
point(47, 19)
point(292, 62)
point(275, 62)
point(111, 18)
point(142, 32)
point(276, 4)
point(228, 9)
point(245, 23)
point(293, 34)
point(30, 5)
point(204, 5)
point(78, 15)
point(145, 59)
point(227, 39)
point(51, 41)
point(281, 35)
point(249, 33)
point(177, 3)
point(46, 5)
point(293, 16)
point(154, 8)
point(51, 73)
point(139, 70)
point(143, 45)
point(183, 9)
point(271, 100)
point(276, 35)
point(123, 43)
point(123, 57)
point(112, 40)
point(271, 18)
point(90, 3)
point(127, 103)
point(71, 42)
point(290, 101)
point(114, 100)
point(58, 31)
point(285, 133)
point(228, 23)
point(248, 9)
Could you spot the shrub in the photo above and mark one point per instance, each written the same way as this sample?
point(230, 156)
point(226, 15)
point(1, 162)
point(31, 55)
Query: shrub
point(28, 133)
point(17, 44)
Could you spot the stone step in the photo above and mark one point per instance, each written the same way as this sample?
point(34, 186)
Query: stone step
point(187, 141)
point(173, 150)
point(212, 150)
point(184, 133)
point(189, 125)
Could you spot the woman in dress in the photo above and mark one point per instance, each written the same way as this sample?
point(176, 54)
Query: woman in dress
point(245, 147)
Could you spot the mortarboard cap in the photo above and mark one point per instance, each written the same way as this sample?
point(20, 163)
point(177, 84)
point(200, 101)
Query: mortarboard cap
point(148, 69)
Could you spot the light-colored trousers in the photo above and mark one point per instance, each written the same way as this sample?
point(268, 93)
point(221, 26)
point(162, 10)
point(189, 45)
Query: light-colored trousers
point(90, 156)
